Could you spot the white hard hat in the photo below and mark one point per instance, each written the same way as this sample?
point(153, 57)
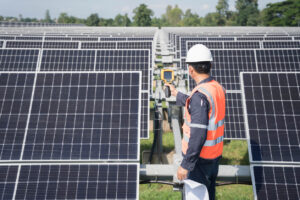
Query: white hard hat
point(198, 53)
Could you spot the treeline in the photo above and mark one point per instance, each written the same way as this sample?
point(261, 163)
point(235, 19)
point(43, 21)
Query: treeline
point(285, 13)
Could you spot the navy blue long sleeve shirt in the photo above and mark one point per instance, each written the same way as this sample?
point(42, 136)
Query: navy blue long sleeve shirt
point(198, 109)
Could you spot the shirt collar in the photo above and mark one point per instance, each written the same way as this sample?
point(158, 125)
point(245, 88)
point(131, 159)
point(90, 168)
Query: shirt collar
point(206, 80)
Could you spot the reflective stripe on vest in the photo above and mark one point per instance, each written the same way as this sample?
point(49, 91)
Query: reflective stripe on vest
point(208, 143)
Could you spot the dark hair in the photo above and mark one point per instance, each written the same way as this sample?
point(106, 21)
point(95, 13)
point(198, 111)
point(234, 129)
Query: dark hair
point(201, 67)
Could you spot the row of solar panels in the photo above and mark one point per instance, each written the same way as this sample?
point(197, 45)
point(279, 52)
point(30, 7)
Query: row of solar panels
point(69, 116)
point(78, 45)
point(271, 103)
point(74, 38)
point(84, 60)
point(239, 45)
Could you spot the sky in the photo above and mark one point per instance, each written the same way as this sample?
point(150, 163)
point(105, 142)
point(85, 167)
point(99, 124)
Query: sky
point(106, 8)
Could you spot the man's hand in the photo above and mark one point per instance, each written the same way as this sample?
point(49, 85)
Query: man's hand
point(182, 173)
point(172, 89)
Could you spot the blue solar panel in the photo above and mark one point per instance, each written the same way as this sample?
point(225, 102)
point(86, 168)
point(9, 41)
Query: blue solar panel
point(18, 59)
point(272, 112)
point(84, 116)
point(23, 44)
point(15, 97)
point(8, 175)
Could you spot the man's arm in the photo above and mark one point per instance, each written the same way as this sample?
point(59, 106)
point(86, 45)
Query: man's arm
point(199, 108)
point(181, 99)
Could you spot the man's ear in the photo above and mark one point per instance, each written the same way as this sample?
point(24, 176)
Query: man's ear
point(191, 70)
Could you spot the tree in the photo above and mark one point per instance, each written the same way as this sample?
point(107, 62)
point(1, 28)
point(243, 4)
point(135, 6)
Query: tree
point(47, 17)
point(222, 10)
point(142, 15)
point(122, 20)
point(190, 19)
point(173, 16)
point(63, 18)
point(211, 19)
point(247, 12)
point(286, 13)
point(93, 20)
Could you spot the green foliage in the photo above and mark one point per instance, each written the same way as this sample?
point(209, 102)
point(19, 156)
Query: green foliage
point(211, 19)
point(93, 20)
point(65, 19)
point(222, 9)
point(47, 17)
point(122, 20)
point(286, 13)
point(190, 19)
point(173, 16)
point(142, 15)
point(247, 12)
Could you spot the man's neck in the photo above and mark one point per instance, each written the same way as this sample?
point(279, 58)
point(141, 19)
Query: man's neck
point(200, 78)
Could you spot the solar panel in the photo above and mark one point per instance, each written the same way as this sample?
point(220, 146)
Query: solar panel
point(1, 44)
point(228, 64)
point(250, 38)
point(134, 45)
point(60, 45)
point(276, 182)
point(220, 38)
point(68, 60)
point(113, 39)
point(18, 59)
point(126, 60)
point(85, 39)
point(296, 38)
point(278, 38)
point(272, 112)
point(145, 113)
point(281, 44)
point(140, 38)
point(8, 175)
point(29, 38)
point(98, 45)
point(234, 121)
point(7, 38)
point(69, 181)
point(241, 45)
point(15, 97)
point(58, 38)
point(84, 116)
point(278, 59)
point(23, 44)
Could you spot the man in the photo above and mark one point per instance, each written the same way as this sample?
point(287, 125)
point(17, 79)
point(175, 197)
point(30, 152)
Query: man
point(203, 130)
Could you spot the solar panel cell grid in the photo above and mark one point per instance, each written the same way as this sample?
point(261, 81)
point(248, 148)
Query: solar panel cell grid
point(84, 116)
point(23, 44)
point(272, 103)
point(8, 175)
point(68, 60)
point(57, 38)
point(276, 182)
point(60, 45)
point(234, 120)
point(126, 60)
point(145, 116)
point(15, 98)
point(85, 181)
point(282, 44)
point(1, 44)
point(85, 39)
point(18, 59)
point(241, 45)
point(29, 38)
point(98, 45)
point(278, 59)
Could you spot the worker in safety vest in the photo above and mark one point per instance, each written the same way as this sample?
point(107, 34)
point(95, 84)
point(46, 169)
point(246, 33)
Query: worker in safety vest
point(203, 130)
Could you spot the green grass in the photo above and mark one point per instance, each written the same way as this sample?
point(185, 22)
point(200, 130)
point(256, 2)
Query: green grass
point(235, 152)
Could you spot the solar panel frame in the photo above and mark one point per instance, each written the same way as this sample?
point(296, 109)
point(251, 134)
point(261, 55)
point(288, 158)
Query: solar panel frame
point(24, 44)
point(26, 59)
point(277, 59)
point(275, 181)
point(72, 180)
point(27, 146)
point(60, 45)
point(280, 44)
point(266, 152)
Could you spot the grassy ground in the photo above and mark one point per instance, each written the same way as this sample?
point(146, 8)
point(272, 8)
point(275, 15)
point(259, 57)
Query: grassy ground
point(235, 153)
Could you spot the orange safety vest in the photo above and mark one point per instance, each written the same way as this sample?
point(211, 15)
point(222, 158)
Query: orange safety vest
point(213, 146)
